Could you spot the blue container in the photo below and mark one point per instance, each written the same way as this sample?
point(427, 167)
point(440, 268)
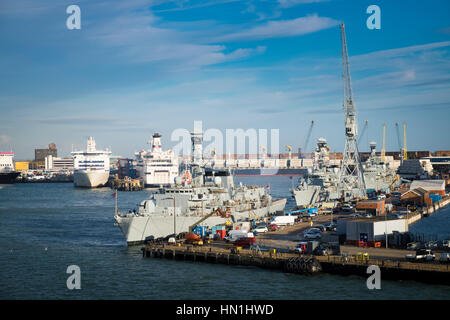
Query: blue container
point(200, 230)
point(435, 197)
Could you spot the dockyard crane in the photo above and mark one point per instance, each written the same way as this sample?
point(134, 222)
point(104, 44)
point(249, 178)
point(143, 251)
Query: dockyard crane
point(308, 137)
point(399, 143)
point(351, 178)
point(405, 153)
point(383, 150)
point(366, 124)
point(289, 148)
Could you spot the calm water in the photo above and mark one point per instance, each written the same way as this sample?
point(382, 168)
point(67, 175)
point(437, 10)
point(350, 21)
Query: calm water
point(44, 228)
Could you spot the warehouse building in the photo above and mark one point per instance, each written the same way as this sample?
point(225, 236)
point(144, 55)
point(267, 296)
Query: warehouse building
point(417, 196)
point(432, 186)
point(375, 207)
point(351, 231)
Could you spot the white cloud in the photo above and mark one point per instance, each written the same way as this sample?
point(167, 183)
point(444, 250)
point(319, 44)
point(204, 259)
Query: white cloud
point(282, 28)
point(4, 139)
point(291, 3)
point(136, 38)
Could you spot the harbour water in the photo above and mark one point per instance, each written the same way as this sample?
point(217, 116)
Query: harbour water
point(44, 228)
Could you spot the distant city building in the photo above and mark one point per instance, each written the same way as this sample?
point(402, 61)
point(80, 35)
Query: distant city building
point(442, 153)
point(58, 164)
point(22, 165)
point(41, 154)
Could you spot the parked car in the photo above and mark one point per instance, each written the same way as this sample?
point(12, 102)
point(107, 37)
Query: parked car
point(421, 255)
point(321, 227)
point(245, 242)
point(431, 245)
point(396, 215)
point(330, 226)
point(261, 229)
point(347, 208)
point(446, 243)
point(413, 246)
point(444, 257)
point(298, 250)
point(355, 215)
point(312, 235)
point(322, 251)
point(312, 230)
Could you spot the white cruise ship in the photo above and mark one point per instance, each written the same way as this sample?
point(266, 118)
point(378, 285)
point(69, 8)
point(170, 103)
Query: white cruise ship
point(155, 166)
point(91, 167)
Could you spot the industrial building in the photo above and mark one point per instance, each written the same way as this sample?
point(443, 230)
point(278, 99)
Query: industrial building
point(58, 164)
point(417, 196)
point(22, 165)
point(369, 230)
point(432, 186)
point(40, 154)
point(375, 207)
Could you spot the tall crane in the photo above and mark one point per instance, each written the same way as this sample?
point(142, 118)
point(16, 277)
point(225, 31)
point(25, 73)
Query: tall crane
point(399, 143)
point(366, 124)
point(308, 137)
point(351, 178)
point(289, 148)
point(383, 150)
point(405, 153)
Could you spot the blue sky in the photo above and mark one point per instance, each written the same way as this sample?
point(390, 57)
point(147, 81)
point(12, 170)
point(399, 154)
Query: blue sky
point(141, 66)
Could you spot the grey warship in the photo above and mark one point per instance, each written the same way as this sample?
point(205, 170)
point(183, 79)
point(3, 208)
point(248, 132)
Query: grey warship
point(208, 197)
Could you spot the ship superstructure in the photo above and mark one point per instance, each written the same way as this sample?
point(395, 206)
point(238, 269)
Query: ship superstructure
point(378, 175)
point(157, 167)
point(319, 184)
point(91, 166)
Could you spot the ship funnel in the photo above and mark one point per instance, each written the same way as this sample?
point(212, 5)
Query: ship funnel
point(90, 144)
point(156, 143)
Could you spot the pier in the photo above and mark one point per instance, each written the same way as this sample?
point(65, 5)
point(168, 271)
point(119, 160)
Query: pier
point(303, 264)
point(126, 184)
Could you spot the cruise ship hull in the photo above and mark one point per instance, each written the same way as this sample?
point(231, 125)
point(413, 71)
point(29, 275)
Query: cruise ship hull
point(139, 228)
point(9, 177)
point(90, 179)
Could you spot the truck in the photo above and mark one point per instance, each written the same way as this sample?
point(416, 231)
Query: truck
point(245, 242)
point(283, 220)
point(307, 212)
point(234, 235)
point(421, 255)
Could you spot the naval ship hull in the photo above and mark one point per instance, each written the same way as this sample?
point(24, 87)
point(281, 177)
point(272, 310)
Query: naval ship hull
point(137, 229)
point(90, 179)
point(306, 197)
point(269, 172)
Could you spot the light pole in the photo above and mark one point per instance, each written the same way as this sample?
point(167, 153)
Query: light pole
point(385, 228)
